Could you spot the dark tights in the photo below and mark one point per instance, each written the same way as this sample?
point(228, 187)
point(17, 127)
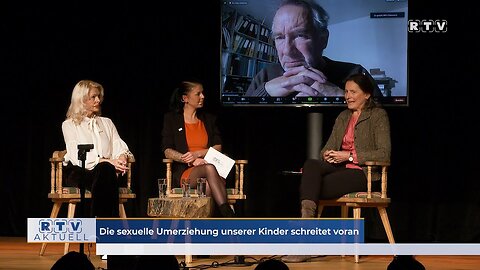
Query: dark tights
point(322, 180)
point(215, 183)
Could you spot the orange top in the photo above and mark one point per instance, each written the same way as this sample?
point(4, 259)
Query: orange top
point(197, 139)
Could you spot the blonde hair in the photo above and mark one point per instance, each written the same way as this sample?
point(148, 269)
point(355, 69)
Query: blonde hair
point(76, 110)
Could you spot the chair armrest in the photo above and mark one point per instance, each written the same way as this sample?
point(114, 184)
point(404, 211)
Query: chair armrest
point(377, 163)
point(241, 161)
point(58, 156)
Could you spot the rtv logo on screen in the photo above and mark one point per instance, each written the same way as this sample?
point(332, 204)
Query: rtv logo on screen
point(60, 225)
point(427, 26)
point(76, 230)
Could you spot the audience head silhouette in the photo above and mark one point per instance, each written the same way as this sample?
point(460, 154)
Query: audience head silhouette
point(73, 261)
point(405, 262)
point(272, 264)
point(142, 262)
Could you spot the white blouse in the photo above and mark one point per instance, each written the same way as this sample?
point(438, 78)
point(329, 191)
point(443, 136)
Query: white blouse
point(99, 131)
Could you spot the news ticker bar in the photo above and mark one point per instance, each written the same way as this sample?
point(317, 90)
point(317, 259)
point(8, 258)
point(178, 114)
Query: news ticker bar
point(228, 236)
point(196, 231)
point(205, 231)
point(289, 249)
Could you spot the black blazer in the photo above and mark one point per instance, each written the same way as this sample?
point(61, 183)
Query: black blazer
point(173, 136)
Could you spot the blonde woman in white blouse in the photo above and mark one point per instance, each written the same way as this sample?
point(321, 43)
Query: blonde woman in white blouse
point(107, 161)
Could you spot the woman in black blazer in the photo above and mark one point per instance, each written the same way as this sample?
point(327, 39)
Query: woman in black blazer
point(186, 136)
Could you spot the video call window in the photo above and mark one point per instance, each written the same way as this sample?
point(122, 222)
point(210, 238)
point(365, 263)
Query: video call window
point(371, 33)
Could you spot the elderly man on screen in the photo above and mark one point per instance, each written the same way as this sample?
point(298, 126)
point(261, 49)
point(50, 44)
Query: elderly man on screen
point(300, 33)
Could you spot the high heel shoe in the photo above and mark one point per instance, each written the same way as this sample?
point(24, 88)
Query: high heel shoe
point(226, 210)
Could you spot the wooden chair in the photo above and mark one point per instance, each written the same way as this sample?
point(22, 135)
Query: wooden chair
point(233, 194)
point(60, 194)
point(359, 200)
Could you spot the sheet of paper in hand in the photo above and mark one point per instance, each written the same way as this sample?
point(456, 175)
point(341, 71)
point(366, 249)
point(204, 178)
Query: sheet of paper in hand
point(221, 161)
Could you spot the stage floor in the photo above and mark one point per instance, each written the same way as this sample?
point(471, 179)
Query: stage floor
point(16, 253)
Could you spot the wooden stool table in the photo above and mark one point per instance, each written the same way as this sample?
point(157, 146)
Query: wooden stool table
point(192, 207)
point(179, 207)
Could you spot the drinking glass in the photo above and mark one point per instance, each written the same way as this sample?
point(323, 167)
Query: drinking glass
point(162, 187)
point(201, 186)
point(186, 188)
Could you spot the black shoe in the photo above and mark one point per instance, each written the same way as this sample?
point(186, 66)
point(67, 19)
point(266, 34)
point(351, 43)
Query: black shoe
point(226, 210)
point(402, 262)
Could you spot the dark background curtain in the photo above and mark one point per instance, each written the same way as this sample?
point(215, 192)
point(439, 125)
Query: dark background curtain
point(140, 52)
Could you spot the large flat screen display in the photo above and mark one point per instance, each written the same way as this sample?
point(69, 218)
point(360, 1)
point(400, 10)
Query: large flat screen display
point(351, 35)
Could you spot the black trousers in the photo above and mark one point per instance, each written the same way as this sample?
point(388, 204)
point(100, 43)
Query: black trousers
point(322, 180)
point(103, 183)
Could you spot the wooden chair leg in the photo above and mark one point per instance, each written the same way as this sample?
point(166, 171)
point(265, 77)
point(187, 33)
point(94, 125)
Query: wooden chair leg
point(357, 212)
point(189, 257)
point(42, 249)
point(70, 214)
point(386, 224)
point(343, 214)
point(344, 211)
point(53, 214)
point(319, 210)
point(121, 209)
